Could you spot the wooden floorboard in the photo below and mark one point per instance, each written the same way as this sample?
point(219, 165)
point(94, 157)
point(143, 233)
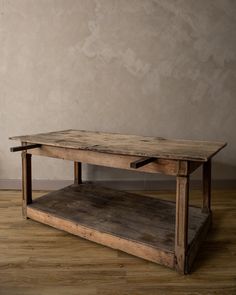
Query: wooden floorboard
point(36, 259)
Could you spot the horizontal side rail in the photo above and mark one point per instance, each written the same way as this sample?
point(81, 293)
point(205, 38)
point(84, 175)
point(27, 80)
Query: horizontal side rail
point(25, 147)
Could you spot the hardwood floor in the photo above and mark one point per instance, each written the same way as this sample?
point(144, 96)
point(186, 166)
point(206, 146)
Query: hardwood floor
point(38, 260)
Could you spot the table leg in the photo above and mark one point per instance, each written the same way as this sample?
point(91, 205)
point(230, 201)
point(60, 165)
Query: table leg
point(206, 206)
point(77, 173)
point(181, 225)
point(26, 182)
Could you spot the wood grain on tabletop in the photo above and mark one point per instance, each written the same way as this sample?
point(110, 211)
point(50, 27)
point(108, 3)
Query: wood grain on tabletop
point(125, 144)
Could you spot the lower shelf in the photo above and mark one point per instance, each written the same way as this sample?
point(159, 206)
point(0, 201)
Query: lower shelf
point(142, 226)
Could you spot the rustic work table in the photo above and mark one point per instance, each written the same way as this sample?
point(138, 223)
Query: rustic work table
point(168, 233)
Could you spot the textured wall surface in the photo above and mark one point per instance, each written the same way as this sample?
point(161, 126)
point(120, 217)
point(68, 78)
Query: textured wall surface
point(163, 67)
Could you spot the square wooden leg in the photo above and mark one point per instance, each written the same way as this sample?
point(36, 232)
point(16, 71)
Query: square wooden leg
point(206, 175)
point(181, 225)
point(77, 173)
point(26, 182)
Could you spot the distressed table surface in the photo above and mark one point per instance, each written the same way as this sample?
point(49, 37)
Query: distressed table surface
point(125, 144)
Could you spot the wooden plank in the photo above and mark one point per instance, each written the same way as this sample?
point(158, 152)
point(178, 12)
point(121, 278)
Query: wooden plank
point(124, 144)
point(26, 182)
point(77, 173)
point(182, 222)
point(168, 167)
point(143, 251)
point(206, 207)
point(142, 226)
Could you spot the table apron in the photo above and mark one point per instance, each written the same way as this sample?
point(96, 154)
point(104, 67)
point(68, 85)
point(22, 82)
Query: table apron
point(164, 166)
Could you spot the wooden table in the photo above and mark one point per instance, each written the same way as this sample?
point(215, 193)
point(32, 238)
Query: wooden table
point(168, 233)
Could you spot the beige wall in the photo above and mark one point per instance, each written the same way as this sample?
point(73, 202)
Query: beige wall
point(164, 68)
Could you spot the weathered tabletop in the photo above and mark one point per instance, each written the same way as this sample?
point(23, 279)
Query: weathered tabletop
point(124, 144)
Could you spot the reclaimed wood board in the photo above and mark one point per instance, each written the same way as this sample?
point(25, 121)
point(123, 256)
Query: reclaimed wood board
point(143, 220)
point(123, 144)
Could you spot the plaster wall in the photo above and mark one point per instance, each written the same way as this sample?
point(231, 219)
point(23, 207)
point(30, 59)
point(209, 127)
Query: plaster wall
point(160, 68)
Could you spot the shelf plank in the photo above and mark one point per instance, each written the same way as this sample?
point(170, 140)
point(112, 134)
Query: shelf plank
point(143, 226)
